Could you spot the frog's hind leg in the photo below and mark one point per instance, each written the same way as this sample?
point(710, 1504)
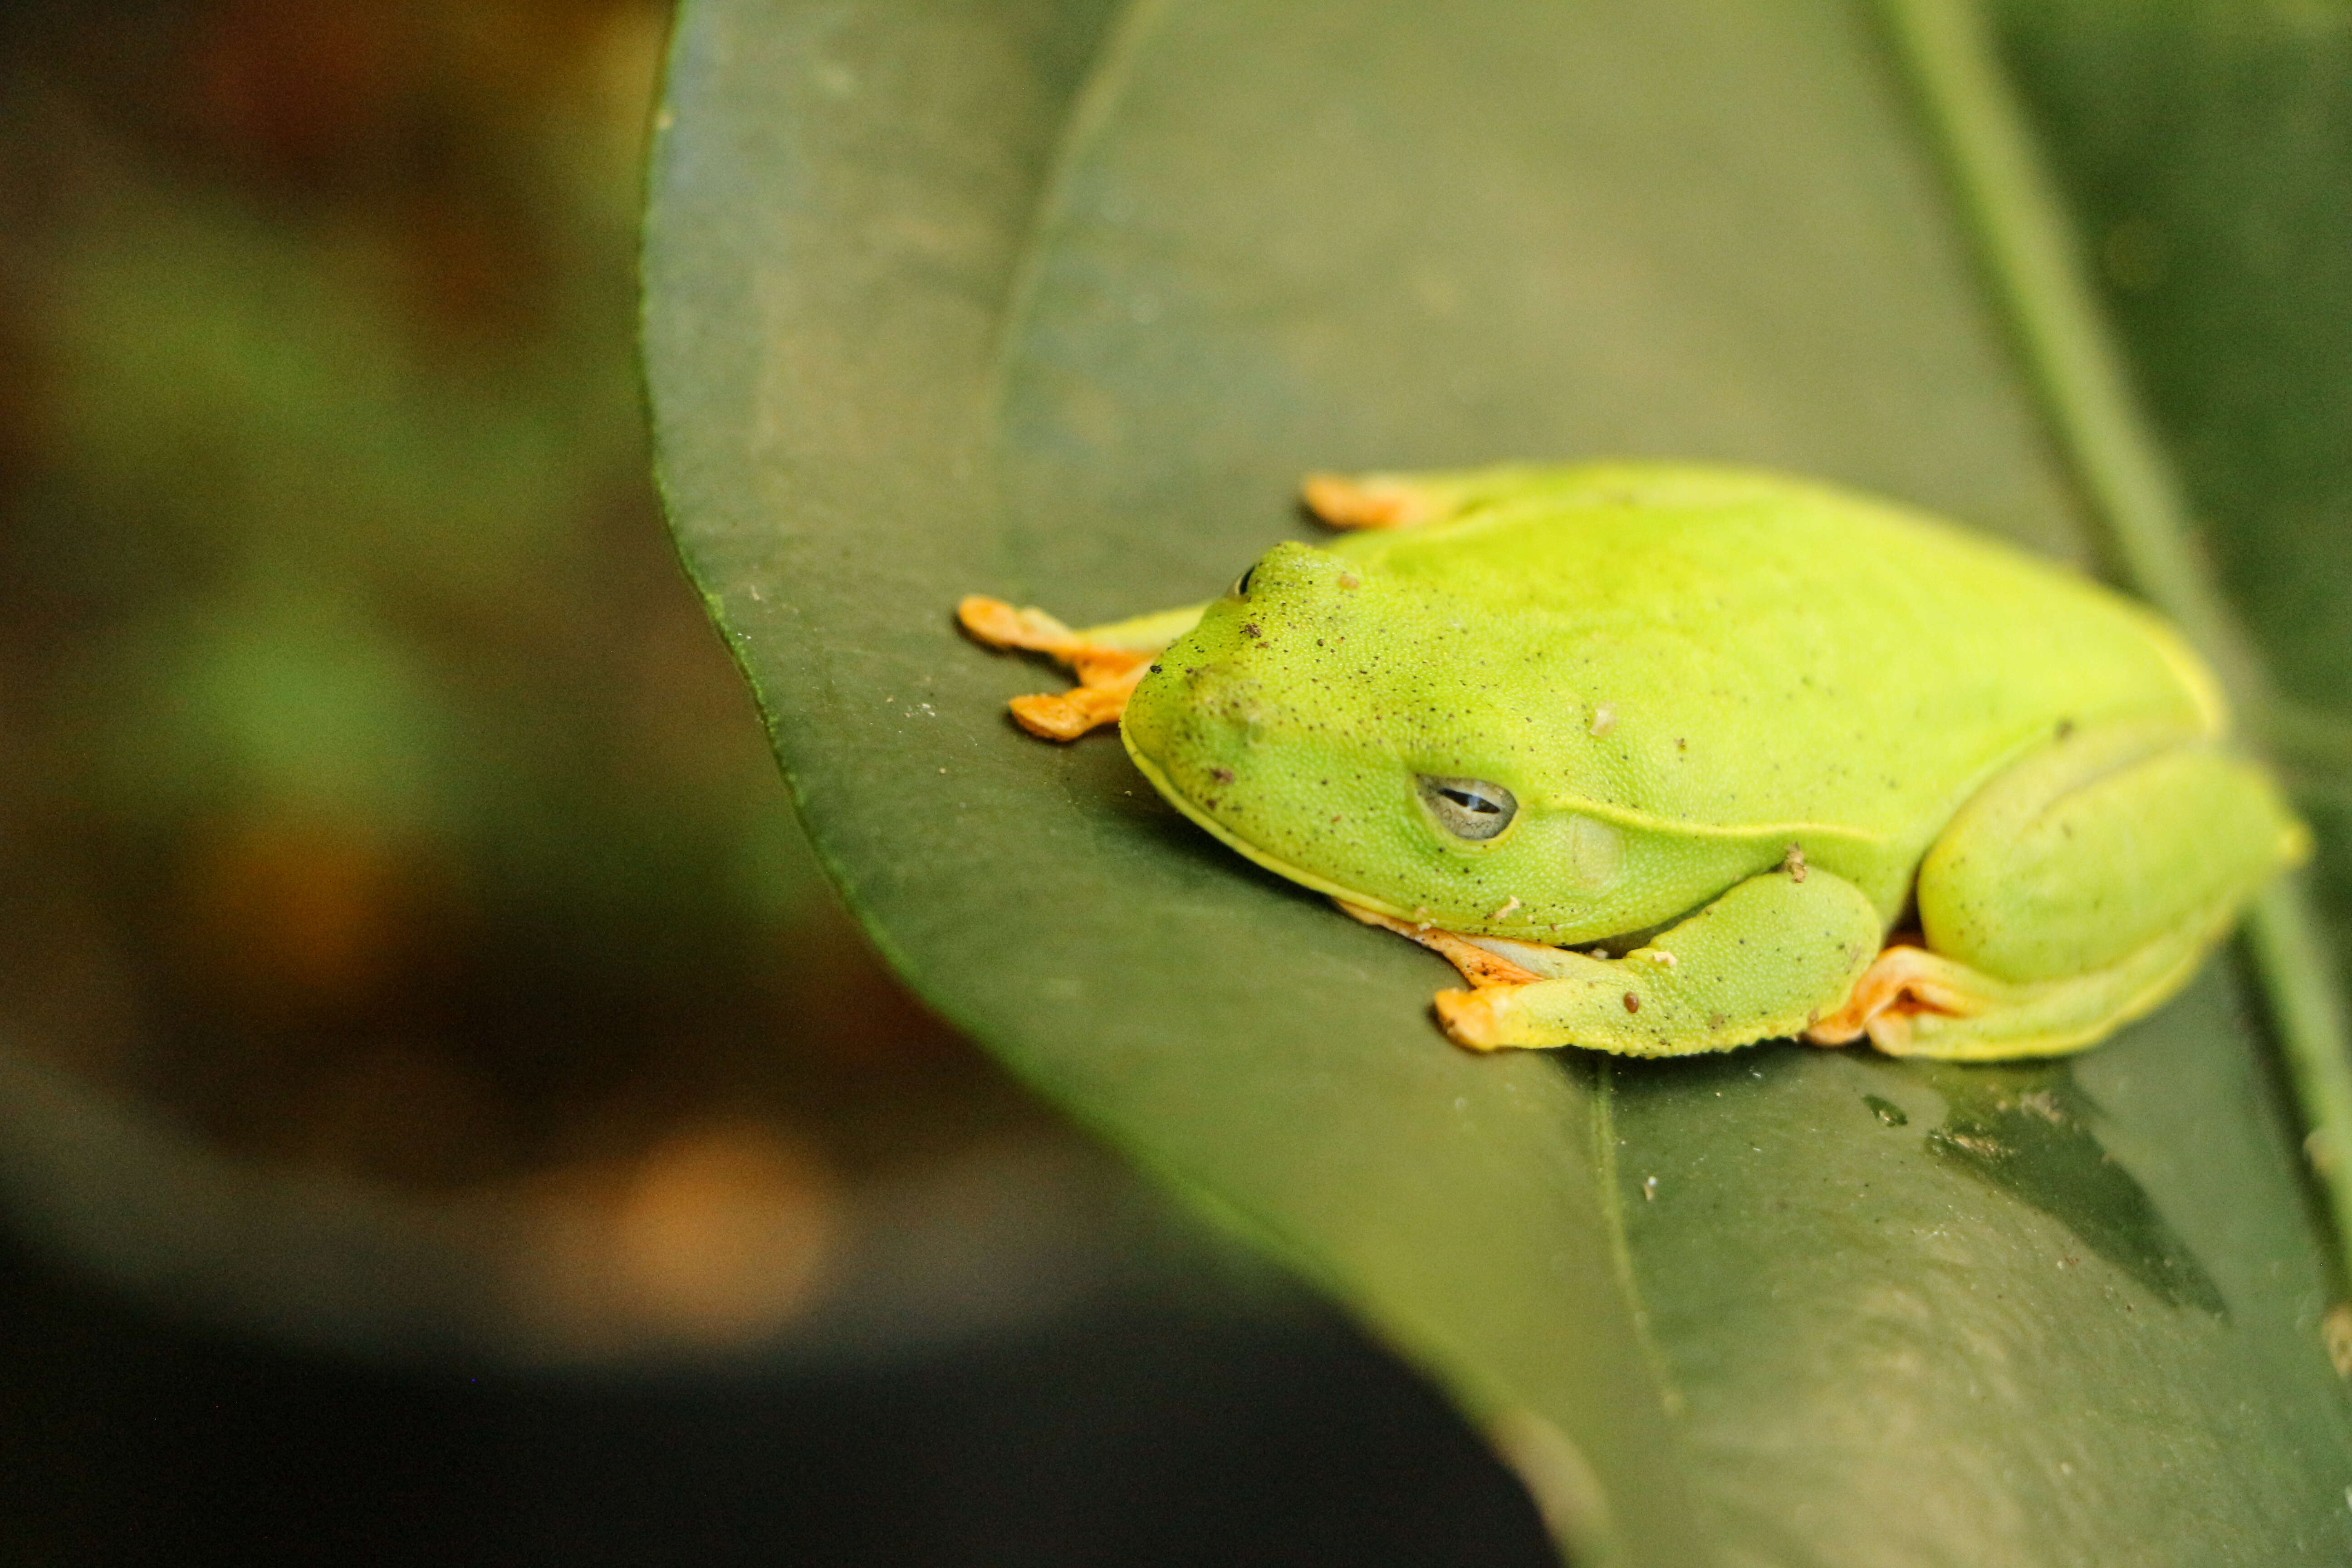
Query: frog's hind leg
point(2075, 892)
point(1108, 660)
point(1913, 1003)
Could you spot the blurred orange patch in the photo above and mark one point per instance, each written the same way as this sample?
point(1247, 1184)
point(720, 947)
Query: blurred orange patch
point(716, 1235)
point(285, 921)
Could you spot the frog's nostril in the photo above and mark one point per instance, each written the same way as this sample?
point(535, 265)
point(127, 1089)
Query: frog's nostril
point(1222, 691)
point(1245, 718)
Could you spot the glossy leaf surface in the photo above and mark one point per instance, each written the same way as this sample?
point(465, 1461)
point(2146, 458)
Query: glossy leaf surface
point(1055, 300)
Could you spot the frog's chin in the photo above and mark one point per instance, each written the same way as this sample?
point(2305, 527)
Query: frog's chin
point(1242, 847)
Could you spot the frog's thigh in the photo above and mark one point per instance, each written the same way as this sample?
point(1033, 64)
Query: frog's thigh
point(1763, 961)
point(2080, 889)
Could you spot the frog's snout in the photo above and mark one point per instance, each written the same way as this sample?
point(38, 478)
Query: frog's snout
point(1202, 728)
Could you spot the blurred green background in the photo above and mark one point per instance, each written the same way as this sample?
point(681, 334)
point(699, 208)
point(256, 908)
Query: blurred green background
point(380, 802)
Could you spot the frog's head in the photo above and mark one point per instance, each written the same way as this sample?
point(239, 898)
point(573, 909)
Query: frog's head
point(1374, 736)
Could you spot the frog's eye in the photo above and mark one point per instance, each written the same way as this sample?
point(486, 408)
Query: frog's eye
point(1241, 583)
point(1469, 808)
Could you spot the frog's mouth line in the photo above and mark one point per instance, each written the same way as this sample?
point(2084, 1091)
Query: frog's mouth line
point(1506, 947)
point(1242, 847)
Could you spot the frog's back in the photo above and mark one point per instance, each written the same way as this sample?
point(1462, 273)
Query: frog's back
point(1756, 650)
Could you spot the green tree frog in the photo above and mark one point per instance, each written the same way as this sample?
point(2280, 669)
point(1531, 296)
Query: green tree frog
point(1669, 759)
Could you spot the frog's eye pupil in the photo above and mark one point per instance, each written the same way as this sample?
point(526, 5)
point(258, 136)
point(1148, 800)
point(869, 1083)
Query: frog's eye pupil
point(1241, 587)
point(1469, 808)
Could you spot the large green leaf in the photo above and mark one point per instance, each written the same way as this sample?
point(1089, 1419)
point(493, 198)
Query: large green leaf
point(1053, 300)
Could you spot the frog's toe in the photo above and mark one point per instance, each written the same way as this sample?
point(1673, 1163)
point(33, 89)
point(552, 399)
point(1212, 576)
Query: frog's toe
point(1065, 716)
point(1902, 982)
point(996, 624)
point(1371, 500)
point(1470, 1018)
point(1480, 965)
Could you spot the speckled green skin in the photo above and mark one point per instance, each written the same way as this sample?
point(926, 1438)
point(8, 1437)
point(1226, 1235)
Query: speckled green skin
point(1681, 674)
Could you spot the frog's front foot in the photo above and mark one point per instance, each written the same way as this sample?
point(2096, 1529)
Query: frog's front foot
point(1471, 1020)
point(1764, 961)
point(1107, 661)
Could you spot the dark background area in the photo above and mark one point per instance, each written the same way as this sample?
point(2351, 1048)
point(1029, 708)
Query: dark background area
point(1122, 1435)
point(443, 1114)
